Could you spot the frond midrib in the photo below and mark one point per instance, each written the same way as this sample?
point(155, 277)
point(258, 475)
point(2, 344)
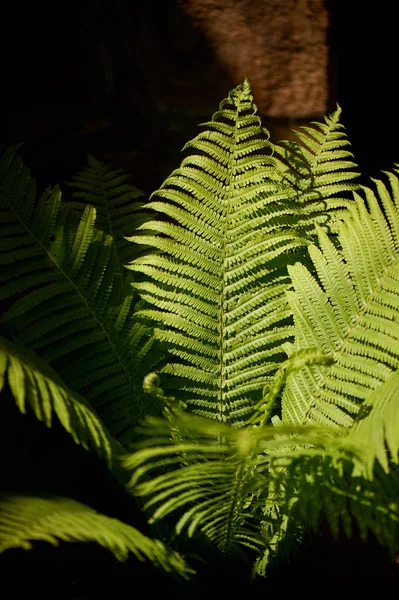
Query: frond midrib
point(224, 283)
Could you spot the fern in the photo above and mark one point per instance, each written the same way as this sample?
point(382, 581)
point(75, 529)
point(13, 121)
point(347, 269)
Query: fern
point(258, 490)
point(216, 280)
point(228, 476)
point(350, 312)
point(25, 519)
point(379, 427)
point(118, 206)
point(33, 382)
point(61, 292)
point(253, 253)
point(320, 170)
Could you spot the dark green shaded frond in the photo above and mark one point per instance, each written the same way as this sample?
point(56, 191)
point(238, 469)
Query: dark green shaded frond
point(320, 169)
point(313, 487)
point(117, 203)
point(351, 313)
point(32, 382)
point(216, 280)
point(26, 519)
point(210, 491)
point(62, 298)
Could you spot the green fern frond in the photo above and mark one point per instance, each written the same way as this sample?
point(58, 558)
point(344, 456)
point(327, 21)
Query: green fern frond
point(32, 382)
point(378, 430)
point(118, 205)
point(215, 282)
point(320, 169)
point(227, 475)
point(313, 487)
point(350, 312)
point(295, 362)
point(61, 296)
point(26, 519)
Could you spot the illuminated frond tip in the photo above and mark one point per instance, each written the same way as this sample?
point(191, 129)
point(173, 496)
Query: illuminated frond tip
point(242, 91)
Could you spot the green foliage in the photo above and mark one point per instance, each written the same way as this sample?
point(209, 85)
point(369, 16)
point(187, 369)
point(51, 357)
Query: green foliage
point(380, 430)
point(227, 476)
point(320, 169)
point(269, 280)
point(33, 382)
point(25, 519)
point(217, 279)
point(348, 311)
point(118, 206)
point(63, 298)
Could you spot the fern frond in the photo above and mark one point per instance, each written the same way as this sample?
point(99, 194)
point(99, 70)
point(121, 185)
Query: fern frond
point(201, 486)
point(227, 475)
point(320, 169)
point(378, 430)
point(61, 297)
point(350, 312)
point(118, 205)
point(26, 519)
point(215, 282)
point(313, 487)
point(32, 382)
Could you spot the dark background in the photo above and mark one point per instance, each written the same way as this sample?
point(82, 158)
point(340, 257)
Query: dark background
point(61, 99)
point(78, 78)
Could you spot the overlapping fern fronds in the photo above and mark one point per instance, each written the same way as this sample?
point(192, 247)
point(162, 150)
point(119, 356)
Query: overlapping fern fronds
point(26, 519)
point(320, 169)
point(61, 297)
point(378, 431)
point(216, 279)
point(225, 489)
point(118, 206)
point(32, 382)
point(314, 486)
point(259, 489)
point(350, 311)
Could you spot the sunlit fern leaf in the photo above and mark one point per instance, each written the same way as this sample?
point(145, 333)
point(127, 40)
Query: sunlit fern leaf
point(118, 205)
point(60, 294)
point(378, 430)
point(26, 519)
point(32, 382)
point(350, 312)
point(320, 169)
point(216, 279)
